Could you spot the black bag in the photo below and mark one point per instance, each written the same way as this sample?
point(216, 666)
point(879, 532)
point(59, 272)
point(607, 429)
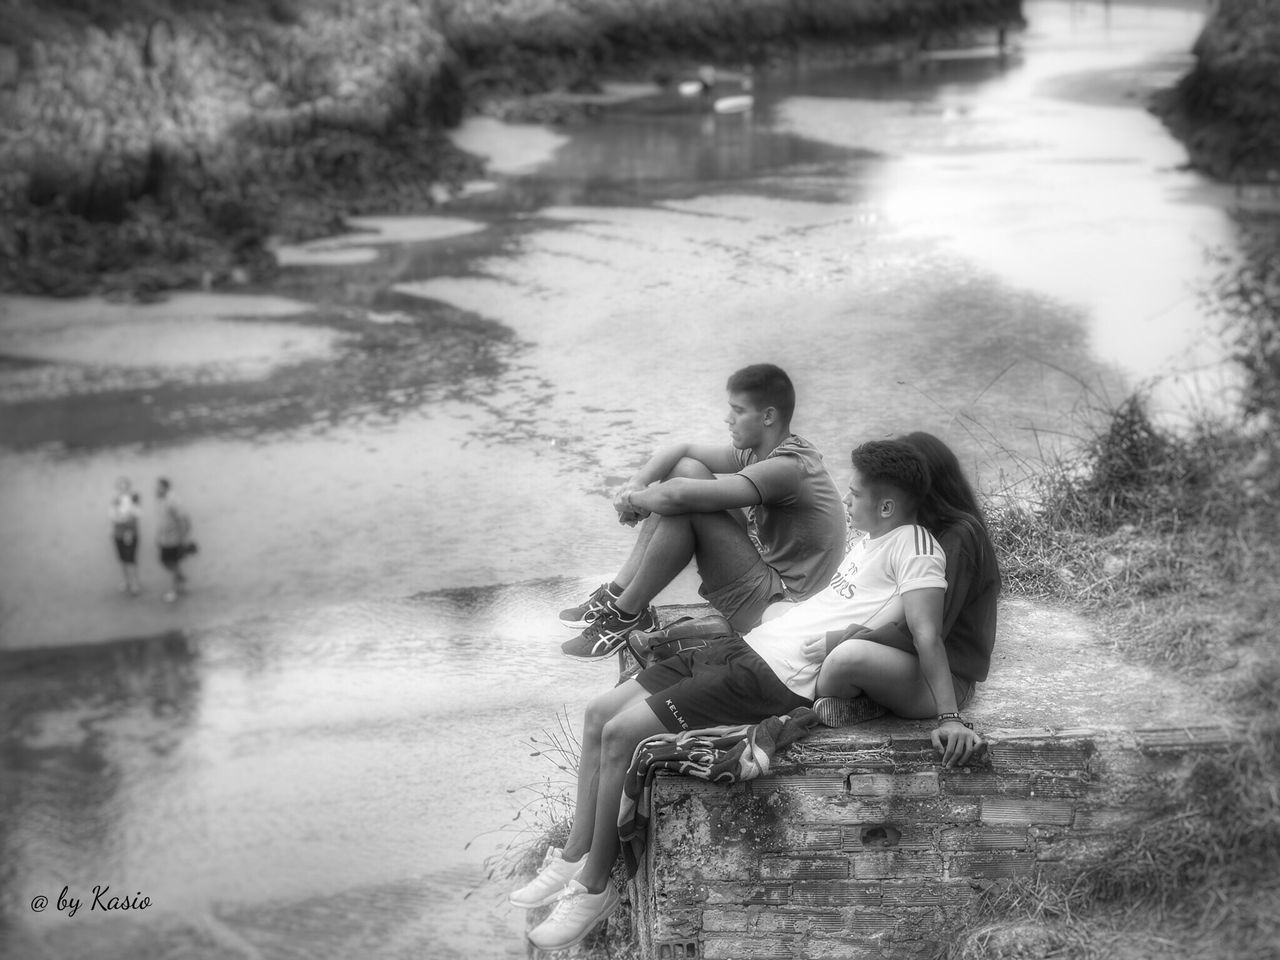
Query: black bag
point(687, 633)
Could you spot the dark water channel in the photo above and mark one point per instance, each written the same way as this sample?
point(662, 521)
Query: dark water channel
point(396, 458)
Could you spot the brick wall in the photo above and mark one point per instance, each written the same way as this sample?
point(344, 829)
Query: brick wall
point(861, 845)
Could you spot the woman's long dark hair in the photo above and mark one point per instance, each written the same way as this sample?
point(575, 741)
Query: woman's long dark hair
point(950, 498)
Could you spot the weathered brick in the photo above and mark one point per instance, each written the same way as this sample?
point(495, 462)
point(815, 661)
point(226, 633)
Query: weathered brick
point(802, 922)
point(885, 785)
point(771, 893)
point(734, 894)
point(899, 895)
point(880, 836)
point(749, 948)
point(835, 893)
point(726, 920)
point(1079, 850)
point(807, 838)
point(1108, 819)
point(877, 864)
point(1182, 739)
point(1012, 810)
point(904, 747)
point(1023, 755)
point(676, 950)
point(983, 838)
point(812, 948)
point(986, 783)
point(804, 868)
point(677, 922)
point(868, 924)
point(991, 864)
point(926, 949)
point(820, 783)
point(902, 812)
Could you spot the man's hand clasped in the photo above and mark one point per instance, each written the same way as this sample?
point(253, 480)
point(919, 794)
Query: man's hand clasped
point(628, 512)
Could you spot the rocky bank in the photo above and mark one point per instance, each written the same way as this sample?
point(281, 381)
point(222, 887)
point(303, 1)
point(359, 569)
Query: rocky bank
point(1227, 109)
point(161, 143)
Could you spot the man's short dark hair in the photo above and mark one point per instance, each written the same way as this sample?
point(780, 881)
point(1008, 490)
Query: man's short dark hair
point(893, 465)
point(768, 386)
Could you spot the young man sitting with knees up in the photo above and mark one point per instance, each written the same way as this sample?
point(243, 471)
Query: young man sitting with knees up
point(689, 500)
point(893, 572)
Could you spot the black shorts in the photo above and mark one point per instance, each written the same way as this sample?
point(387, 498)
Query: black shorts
point(726, 683)
point(126, 550)
point(170, 557)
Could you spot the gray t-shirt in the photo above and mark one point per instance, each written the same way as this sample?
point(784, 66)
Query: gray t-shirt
point(799, 526)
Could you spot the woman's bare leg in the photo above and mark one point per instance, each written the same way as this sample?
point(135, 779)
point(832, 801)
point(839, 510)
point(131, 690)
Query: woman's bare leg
point(887, 675)
point(619, 740)
point(600, 711)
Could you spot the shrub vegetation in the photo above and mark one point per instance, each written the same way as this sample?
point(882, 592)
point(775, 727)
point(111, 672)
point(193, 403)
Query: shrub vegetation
point(1170, 538)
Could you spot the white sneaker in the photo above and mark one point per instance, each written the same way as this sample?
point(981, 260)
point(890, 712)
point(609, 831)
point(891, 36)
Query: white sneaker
point(550, 882)
point(576, 914)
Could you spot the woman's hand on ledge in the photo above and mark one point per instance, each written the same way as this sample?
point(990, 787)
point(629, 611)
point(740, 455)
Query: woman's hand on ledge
point(956, 742)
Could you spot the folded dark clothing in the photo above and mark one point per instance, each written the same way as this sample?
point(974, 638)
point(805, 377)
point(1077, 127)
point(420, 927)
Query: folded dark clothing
point(724, 754)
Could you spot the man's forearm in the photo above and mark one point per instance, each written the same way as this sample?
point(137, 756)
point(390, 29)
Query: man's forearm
point(667, 498)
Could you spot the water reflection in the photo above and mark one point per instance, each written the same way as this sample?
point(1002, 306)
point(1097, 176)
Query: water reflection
point(87, 732)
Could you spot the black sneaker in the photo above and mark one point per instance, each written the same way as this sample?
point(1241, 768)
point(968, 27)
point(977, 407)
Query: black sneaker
point(839, 712)
point(585, 613)
point(607, 633)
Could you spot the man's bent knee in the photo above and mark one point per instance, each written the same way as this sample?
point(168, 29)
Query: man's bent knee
point(692, 469)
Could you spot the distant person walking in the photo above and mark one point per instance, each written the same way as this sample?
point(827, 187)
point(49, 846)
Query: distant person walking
point(125, 511)
point(173, 536)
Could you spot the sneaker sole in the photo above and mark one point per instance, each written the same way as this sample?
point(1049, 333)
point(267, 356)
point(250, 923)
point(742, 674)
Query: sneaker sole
point(593, 656)
point(590, 928)
point(534, 904)
point(549, 898)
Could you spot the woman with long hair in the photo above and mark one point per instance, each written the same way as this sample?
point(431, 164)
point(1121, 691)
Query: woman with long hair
point(883, 664)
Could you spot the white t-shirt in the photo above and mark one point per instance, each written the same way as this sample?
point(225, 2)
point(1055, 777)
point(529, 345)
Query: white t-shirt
point(866, 588)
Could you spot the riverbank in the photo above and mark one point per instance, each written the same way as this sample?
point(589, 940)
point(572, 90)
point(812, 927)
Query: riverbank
point(164, 146)
point(1227, 108)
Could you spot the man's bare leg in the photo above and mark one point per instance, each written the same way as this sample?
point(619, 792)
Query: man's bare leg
point(685, 467)
point(716, 540)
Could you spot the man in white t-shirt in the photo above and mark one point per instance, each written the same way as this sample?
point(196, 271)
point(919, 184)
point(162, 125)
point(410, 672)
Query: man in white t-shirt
point(894, 572)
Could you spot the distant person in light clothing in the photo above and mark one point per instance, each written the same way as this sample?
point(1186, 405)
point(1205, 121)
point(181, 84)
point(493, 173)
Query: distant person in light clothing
point(125, 511)
point(173, 536)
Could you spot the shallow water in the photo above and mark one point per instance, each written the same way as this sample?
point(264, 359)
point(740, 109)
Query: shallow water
point(296, 760)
